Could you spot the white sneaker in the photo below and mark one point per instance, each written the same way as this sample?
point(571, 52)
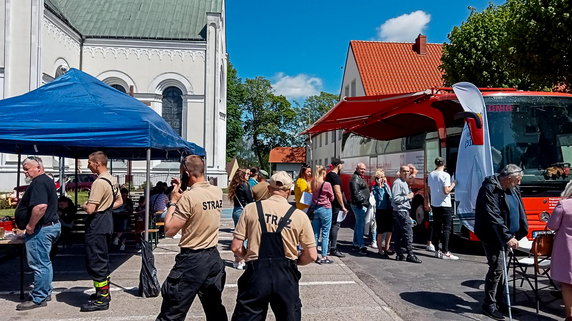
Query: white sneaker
point(439, 254)
point(374, 245)
point(116, 241)
point(449, 256)
point(430, 248)
point(177, 236)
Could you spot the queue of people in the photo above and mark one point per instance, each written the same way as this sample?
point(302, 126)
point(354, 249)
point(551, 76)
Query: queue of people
point(272, 237)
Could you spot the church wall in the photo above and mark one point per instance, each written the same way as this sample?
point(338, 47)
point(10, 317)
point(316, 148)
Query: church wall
point(60, 46)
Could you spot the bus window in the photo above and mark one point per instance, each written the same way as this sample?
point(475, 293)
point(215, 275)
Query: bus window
point(414, 142)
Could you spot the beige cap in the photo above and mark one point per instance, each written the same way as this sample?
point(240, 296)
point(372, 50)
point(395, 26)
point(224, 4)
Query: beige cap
point(281, 180)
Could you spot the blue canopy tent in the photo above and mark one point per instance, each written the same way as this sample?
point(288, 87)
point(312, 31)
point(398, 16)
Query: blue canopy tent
point(76, 114)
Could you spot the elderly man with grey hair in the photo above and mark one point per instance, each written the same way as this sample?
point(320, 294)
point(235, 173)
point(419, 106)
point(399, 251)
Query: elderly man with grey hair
point(37, 215)
point(500, 221)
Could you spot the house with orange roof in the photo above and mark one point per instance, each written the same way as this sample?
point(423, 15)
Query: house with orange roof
point(288, 159)
point(378, 68)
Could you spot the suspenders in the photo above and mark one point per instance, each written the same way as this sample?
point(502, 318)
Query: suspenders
point(282, 222)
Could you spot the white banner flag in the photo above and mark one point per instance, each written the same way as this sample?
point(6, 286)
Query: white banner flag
point(474, 162)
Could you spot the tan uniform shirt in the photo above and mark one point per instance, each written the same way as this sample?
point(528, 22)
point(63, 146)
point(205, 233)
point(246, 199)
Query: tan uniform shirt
point(101, 193)
point(298, 231)
point(260, 191)
point(201, 208)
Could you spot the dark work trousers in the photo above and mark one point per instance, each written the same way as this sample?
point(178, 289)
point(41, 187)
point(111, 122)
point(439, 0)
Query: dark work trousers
point(97, 255)
point(271, 279)
point(402, 232)
point(195, 272)
point(494, 280)
point(334, 229)
point(442, 223)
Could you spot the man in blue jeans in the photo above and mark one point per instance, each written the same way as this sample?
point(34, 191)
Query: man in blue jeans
point(403, 228)
point(360, 201)
point(37, 215)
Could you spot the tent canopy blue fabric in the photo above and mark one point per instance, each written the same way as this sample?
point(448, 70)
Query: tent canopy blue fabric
point(77, 114)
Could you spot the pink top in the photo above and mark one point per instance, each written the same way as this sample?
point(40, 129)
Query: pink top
point(324, 198)
point(561, 260)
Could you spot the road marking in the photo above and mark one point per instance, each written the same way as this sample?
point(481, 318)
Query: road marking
point(87, 290)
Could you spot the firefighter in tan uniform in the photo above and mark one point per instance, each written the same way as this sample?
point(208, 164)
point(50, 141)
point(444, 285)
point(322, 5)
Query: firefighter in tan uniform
point(273, 229)
point(198, 267)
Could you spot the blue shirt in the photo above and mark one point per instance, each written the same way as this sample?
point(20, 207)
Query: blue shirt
point(514, 208)
point(252, 182)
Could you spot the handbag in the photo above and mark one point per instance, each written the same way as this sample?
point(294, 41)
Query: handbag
point(542, 246)
point(312, 208)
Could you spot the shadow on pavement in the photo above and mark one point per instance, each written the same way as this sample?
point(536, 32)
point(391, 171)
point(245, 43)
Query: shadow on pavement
point(440, 302)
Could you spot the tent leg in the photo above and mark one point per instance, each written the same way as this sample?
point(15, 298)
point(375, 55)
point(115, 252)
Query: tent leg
point(76, 180)
point(147, 193)
point(61, 172)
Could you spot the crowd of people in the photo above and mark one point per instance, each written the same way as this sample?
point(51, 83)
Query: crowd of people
point(272, 237)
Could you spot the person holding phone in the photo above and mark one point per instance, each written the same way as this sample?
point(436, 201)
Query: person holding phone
point(199, 269)
point(383, 213)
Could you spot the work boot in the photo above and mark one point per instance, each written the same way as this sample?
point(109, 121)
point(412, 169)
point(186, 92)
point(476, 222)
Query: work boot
point(492, 312)
point(93, 296)
point(29, 305)
point(399, 257)
point(413, 259)
point(95, 305)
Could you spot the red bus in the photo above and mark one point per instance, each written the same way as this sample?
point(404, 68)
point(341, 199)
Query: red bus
point(530, 129)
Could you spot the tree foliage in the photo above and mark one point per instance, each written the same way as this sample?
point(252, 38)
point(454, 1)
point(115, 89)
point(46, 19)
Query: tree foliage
point(234, 129)
point(476, 53)
point(522, 43)
point(540, 38)
point(311, 110)
point(268, 118)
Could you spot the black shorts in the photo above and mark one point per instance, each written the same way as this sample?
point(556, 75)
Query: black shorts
point(384, 220)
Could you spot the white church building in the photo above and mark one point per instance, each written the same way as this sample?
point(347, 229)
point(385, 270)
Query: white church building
point(170, 55)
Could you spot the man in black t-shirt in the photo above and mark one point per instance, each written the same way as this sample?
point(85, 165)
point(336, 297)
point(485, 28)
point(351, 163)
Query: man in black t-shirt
point(333, 177)
point(37, 215)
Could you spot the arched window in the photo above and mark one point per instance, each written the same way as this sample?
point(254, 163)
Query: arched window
point(173, 108)
point(119, 87)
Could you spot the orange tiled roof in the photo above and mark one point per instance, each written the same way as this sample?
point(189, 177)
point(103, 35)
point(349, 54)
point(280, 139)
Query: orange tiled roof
point(392, 67)
point(287, 155)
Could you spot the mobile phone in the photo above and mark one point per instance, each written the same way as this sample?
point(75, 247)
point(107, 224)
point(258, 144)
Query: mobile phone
point(184, 181)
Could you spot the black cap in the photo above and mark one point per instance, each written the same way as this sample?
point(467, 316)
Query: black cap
point(337, 161)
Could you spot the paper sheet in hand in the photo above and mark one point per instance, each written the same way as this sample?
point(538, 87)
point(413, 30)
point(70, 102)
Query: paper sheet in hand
point(306, 198)
point(341, 216)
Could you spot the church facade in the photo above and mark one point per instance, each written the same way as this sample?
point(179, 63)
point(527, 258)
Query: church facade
point(171, 56)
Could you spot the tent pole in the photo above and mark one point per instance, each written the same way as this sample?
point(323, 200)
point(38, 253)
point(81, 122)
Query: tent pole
point(147, 192)
point(62, 182)
point(18, 167)
point(76, 180)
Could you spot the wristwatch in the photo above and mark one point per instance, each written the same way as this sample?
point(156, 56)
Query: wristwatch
point(171, 204)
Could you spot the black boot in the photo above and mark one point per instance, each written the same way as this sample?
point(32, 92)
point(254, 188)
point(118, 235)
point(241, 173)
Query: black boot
point(94, 295)
point(102, 298)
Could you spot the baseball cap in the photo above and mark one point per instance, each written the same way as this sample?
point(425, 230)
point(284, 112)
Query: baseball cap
point(263, 172)
point(337, 161)
point(281, 180)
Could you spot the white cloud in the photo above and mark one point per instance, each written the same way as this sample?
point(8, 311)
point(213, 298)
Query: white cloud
point(299, 86)
point(404, 28)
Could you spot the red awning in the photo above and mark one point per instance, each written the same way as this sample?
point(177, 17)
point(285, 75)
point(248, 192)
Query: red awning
point(384, 117)
point(353, 111)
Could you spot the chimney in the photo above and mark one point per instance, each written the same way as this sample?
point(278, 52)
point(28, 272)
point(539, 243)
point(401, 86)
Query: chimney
point(420, 46)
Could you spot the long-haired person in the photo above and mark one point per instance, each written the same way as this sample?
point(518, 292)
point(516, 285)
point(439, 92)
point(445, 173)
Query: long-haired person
point(239, 192)
point(561, 260)
point(303, 185)
point(322, 197)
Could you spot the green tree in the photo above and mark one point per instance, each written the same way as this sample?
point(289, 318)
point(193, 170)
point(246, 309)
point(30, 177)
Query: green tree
point(311, 110)
point(269, 119)
point(476, 52)
point(540, 40)
point(234, 97)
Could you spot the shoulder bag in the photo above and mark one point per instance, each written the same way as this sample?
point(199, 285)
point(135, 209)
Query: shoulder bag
point(312, 208)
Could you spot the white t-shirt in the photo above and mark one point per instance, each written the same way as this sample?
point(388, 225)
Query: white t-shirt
point(437, 181)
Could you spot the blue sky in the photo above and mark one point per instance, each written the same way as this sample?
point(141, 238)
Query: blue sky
point(301, 46)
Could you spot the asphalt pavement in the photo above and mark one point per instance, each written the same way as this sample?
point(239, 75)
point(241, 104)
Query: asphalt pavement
point(328, 292)
point(353, 288)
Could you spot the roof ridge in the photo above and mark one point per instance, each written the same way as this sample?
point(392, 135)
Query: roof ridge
point(393, 42)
